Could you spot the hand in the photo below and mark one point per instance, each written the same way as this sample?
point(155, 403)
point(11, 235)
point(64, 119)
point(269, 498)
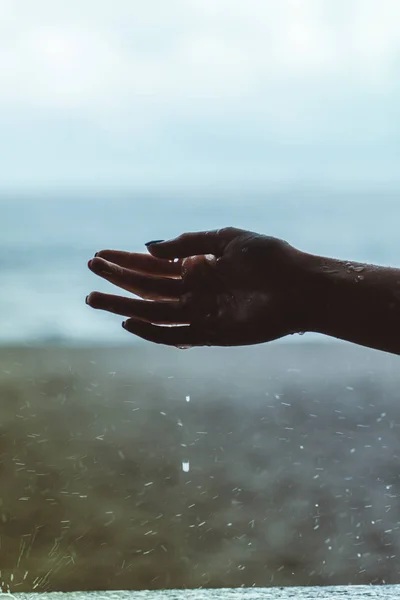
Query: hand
point(229, 287)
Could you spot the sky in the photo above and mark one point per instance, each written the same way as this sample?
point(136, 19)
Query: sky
point(131, 93)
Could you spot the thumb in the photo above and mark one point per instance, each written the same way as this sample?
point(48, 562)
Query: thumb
point(192, 244)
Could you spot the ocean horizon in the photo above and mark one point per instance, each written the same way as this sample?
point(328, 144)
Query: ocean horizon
point(47, 240)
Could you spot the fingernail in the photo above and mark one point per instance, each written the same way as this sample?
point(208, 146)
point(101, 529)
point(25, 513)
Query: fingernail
point(96, 254)
point(154, 242)
point(124, 324)
point(90, 264)
point(86, 299)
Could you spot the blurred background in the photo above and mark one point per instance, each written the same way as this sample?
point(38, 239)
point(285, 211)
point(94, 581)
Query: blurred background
point(126, 465)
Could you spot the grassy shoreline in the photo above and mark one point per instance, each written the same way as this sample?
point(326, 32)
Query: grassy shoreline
point(289, 446)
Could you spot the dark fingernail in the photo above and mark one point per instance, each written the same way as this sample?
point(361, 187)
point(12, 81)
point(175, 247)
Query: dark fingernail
point(124, 324)
point(154, 242)
point(96, 254)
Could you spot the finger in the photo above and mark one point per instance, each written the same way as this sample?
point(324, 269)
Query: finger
point(181, 336)
point(153, 312)
point(145, 286)
point(190, 244)
point(142, 263)
point(200, 275)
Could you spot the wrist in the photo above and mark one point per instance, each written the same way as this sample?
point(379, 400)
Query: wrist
point(331, 293)
point(315, 281)
point(351, 301)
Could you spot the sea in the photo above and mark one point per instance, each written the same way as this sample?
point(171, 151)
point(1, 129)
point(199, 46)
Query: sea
point(46, 240)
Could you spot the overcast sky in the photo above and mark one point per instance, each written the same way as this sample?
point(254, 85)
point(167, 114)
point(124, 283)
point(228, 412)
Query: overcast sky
point(181, 92)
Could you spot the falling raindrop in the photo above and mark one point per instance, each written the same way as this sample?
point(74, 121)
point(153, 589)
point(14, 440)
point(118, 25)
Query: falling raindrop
point(185, 466)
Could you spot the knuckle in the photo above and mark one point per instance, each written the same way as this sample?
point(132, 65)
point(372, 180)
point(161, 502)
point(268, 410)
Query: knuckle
point(134, 280)
point(229, 231)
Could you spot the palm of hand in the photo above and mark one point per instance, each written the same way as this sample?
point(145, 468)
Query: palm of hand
point(238, 298)
point(227, 287)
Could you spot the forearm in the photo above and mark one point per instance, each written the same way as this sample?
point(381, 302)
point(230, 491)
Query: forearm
point(351, 301)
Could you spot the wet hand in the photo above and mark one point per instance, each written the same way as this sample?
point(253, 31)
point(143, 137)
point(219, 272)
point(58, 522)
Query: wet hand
point(227, 287)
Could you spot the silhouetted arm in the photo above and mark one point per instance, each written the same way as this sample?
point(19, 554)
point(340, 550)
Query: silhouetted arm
point(351, 301)
point(231, 287)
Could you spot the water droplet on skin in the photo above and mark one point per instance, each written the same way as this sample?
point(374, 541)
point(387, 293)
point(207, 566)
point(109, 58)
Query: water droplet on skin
point(351, 268)
point(329, 270)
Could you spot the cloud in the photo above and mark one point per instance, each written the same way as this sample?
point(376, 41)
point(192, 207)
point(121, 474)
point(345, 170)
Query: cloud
point(193, 84)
